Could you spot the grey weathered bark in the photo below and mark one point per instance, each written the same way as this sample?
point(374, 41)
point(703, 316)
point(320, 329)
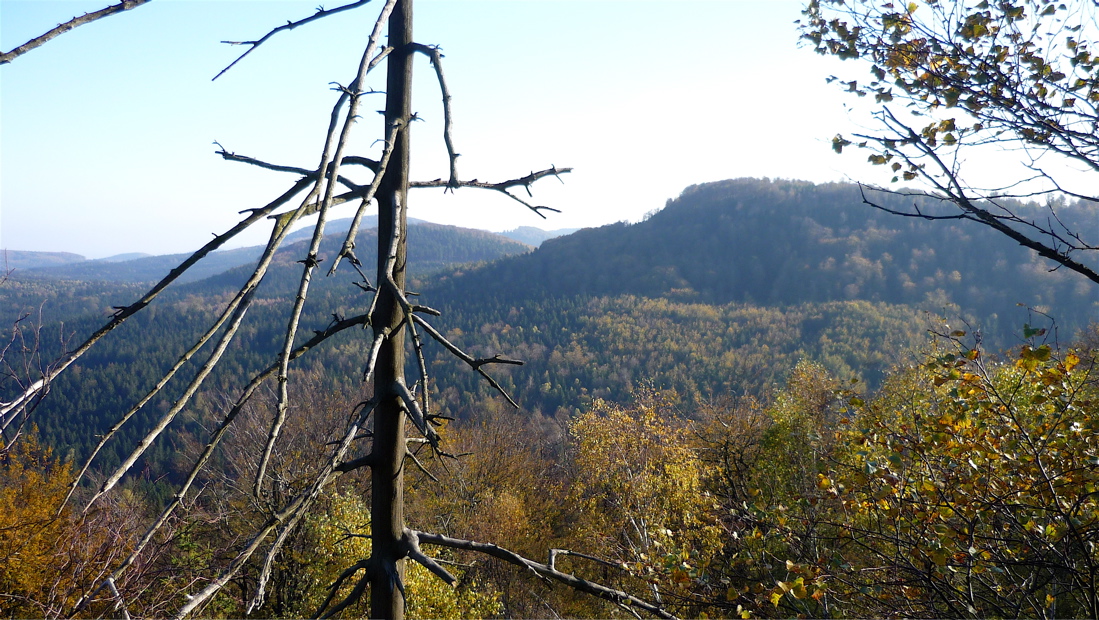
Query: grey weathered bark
point(61, 29)
point(386, 566)
point(393, 404)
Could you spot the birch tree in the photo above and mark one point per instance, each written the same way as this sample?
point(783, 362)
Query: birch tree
point(955, 82)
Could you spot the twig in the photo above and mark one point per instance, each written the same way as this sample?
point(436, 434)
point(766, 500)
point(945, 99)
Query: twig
point(321, 13)
point(366, 162)
point(475, 364)
point(121, 315)
point(553, 553)
point(420, 466)
point(432, 52)
point(61, 29)
point(216, 438)
point(356, 592)
point(331, 172)
point(418, 347)
point(504, 186)
point(615, 596)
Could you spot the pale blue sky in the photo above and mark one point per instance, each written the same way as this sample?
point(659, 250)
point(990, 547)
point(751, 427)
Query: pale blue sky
point(107, 131)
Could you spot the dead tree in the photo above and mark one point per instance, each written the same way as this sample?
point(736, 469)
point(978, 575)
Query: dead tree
point(60, 29)
point(395, 407)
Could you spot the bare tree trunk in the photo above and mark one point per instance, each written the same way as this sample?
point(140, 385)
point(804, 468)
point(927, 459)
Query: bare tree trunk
point(387, 474)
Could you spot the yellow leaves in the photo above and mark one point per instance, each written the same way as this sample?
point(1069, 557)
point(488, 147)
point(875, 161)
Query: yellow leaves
point(795, 588)
point(1071, 361)
point(32, 540)
point(331, 550)
point(972, 442)
point(1040, 354)
point(641, 483)
point(799, 591)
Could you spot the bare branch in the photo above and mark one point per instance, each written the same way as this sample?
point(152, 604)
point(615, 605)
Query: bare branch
point(375, 349)
point(418, 348)
point(332, 172)
point(475, 364)
point(353, 230)
point(415, 460)
point(412, 547)
point(504, 186)
point(615, 596)
point(553, 553)
point(278, 234)
point(321, 13)
point(432, 52)
point(353, 596)
point(120, 605)
point(223, 428)
point(124, 313)
point(181, 402)
point(311, 174)
point(356, 463)
point(415, 414)
point(61, 29)
point(361, 192)
point(286, 518)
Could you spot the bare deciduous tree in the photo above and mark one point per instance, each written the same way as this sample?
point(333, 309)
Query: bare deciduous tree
point(395, 406)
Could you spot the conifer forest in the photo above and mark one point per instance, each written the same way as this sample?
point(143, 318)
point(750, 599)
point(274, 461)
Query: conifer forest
point(771, 398)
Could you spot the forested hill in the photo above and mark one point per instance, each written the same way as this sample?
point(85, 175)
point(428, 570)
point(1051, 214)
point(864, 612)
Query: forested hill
point(722, 292)
point(777, 243)
point(432, 247)
point(466, 245)
point(123, 366)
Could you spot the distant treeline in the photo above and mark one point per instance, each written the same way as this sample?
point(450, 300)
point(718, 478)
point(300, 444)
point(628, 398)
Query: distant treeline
point(722, 292)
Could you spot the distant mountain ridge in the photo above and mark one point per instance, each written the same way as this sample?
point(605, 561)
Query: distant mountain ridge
point(342, 225)
point(138, 267)
point(721, 292)
point(119, 258)
point(535, 236)
point(144, 269)
point(529, 235)
point(776, 243)
point(21, 259)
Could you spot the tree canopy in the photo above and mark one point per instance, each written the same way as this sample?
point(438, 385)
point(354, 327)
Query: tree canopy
point(952, 80)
